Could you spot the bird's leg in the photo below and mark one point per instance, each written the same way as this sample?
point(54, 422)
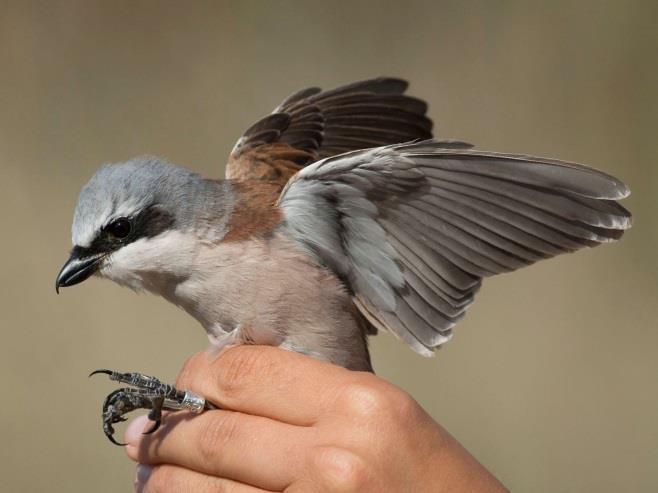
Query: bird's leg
point(145, 392)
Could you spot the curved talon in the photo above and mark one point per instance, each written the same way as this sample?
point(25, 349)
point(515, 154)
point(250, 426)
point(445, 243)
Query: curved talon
point(154, 428)
point(102, 370)
point(108, 429)
point(111, 439)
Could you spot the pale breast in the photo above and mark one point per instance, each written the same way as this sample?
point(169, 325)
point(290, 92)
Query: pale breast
point(270, 291)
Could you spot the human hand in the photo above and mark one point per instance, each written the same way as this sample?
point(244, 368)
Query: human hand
point(289, 423)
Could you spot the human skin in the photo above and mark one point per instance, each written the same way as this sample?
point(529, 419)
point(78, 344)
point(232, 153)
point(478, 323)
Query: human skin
point(289, 423)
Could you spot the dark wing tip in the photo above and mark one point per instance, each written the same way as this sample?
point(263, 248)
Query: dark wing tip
point(298, 96)
point(388, 85)
point(273, 121)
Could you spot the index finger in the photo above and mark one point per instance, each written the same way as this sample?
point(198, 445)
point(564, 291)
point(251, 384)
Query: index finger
point(265, 381)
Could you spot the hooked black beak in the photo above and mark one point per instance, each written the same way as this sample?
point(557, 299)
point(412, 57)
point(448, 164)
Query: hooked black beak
point(77, 269)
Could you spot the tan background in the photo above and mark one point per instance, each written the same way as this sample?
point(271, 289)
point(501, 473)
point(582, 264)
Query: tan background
point(552, 379)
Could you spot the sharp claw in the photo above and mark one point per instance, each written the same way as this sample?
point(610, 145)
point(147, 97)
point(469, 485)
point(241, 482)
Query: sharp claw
point(108, 429)
point(105, 372)
point(154, 428)
point(111, 439)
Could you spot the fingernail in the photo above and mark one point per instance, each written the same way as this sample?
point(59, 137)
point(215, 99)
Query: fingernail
point(143, 473)
point(135, 429)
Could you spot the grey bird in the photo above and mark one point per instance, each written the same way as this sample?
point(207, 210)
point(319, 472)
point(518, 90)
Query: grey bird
point(340, 216)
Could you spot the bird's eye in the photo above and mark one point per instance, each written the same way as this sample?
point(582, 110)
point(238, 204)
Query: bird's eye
point(119, 228)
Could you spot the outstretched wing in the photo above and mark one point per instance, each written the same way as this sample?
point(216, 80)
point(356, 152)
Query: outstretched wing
point(412, 229)
point(312, 124)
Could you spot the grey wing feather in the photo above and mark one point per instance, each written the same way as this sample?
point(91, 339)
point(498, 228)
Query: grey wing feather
point(412, 229)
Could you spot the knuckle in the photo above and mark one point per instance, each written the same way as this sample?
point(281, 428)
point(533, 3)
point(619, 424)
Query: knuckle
point(374, 399)
point(367, 400)
point(217, 433)
point(404, 408)
point(341, 470)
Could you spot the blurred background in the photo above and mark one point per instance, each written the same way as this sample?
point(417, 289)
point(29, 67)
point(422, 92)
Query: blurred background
point(551, 381)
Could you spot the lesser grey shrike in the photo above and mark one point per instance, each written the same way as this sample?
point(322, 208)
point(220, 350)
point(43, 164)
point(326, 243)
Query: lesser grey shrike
point(339, 216)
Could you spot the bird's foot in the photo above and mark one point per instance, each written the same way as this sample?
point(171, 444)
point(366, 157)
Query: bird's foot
point(145, 392)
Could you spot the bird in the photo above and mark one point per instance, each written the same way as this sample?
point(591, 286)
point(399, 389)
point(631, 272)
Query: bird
point(340, 216)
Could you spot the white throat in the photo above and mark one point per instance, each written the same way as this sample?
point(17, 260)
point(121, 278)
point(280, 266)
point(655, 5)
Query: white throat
point(154, 264)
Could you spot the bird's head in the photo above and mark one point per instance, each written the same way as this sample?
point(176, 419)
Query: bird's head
point(132, 220)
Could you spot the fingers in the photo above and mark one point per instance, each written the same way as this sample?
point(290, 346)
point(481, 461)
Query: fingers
point(168, 478)
point(248, 449)
point(267, 381)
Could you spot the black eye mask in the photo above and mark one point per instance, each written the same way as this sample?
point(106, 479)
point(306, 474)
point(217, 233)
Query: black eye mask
point(148, 223)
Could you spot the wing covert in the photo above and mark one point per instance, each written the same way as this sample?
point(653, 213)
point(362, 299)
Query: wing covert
point(313, 124)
